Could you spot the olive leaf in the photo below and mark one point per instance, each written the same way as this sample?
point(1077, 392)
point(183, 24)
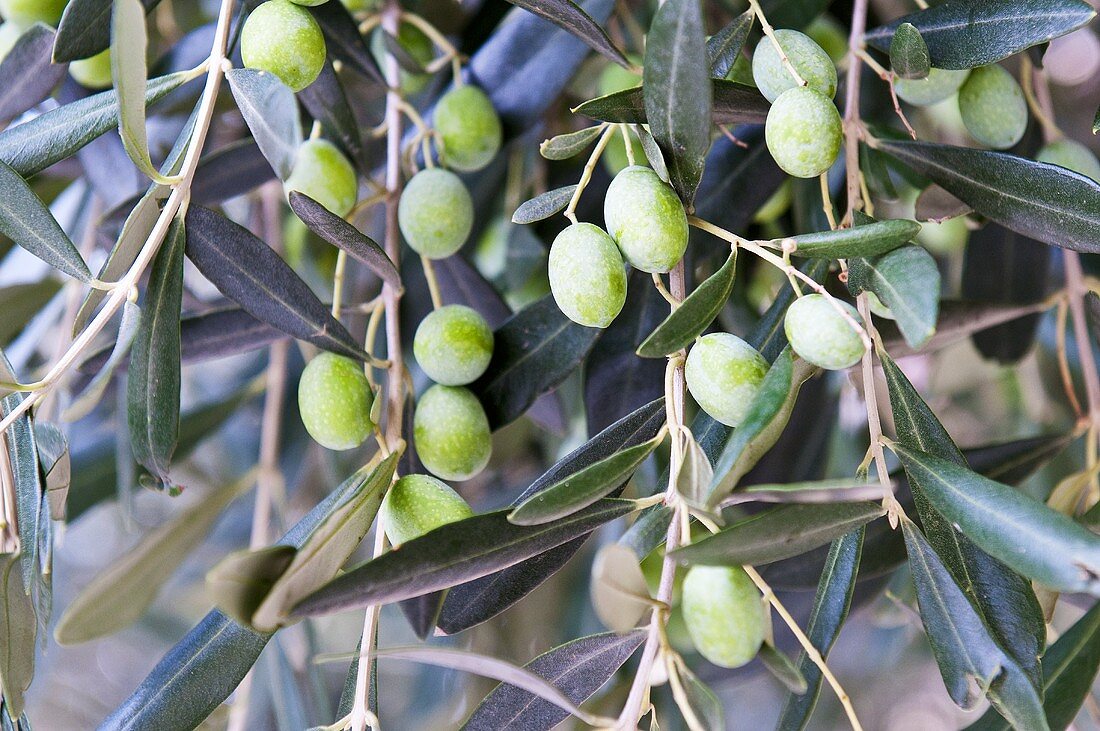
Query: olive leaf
point(725, 46)
point(909, 57)
point(783, 668)
point(868, 239)
point(342, 234)
point(86, 400)
point(731, 103)
point(694, 315)
point(85, 29)
point(937, 205)
point(241, 581)
point(23, 474)
point(907, 281)
point(17, 638)
point(957, 320)
point(571, 17)
point(26, 221)
point(816, 491)
point(271, 112)
point(343, 41)
point(565, 146)
point(327, 103)
point(618, 588)
point(544, 205)
point(26, 75)
point(56, 463)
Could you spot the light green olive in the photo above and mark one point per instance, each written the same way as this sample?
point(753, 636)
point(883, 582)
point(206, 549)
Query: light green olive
point(809, 60)
point(993, 107)
point(363, 6)
point(944, 237)
point(93, 72)
point(418, 504)
point(586, 275)
point(940, 84)
point(1071, 155)
point(724, 614)
point(451, 432)
point(9, 36)
point(803, 132)
point(284, 39)
point(646, 219)
point(323, 173)
point(419, 47)
point(435, 213)
point(453, 345)
point(821, 335)
point(468, 128)
point(723, 375)
point(614, 78)
point(25, 13)
point(334, 399)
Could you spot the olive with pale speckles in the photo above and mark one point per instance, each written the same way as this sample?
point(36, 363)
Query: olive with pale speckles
point(803, 132)
point(1071, 155)
point(723, 375)
point(646, 219)
point(435, 213)
point(25, 13)
point(468, 128)
point(451, 432)
point(821, 335)
point(587, 277)
point(993, 107)
point(418, 504)
point(334, 399)
point(453, 345)
point(724, 614)
point(940, 84)
point(808, 59)
point(323, 173)
point(283, 38)
point(93, 72)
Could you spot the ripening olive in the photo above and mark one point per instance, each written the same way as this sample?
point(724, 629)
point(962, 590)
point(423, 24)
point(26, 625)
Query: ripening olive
point(821, 335)
point(723, 374)
point(25, 13)
point(419, 47)
point(1071, 155)
point(453, 345)
point(451, 432)
point(944, 237)
point(418, 504)
point(809, 60)
point(724, 614)
point(93, 72)
point(283, 38)
point(435, 213)
point(803, 132)
point(646, 219)
point(993, 108)
point(614, 78)
point(323, 173)
point(586, 275)
point(940, 84)
point(335, 400)
point(468, 128)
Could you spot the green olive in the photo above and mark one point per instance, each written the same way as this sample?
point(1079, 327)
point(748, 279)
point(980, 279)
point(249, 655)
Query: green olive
point(363, 6)
point(803, 132)
point(809, 60)
point(468, 128)
point(335, 400)
point(821, 335)
point(25, 13)
point(724, 614)
point(587, 277)
point(93, 72)
point(418, 504)
point(615, 78)
point(723, 375)
point(435, 213)
point(993, 107)
point(1071, 155)
point(323, 173)
point(944, 237)
point(830, 35)
point(451, 432)
point(940, 84)
point(453, 345)
point(283, 38)
point(646, 219)
point(419, 47)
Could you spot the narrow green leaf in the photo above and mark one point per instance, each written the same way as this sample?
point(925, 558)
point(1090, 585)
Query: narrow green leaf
point(695, 475)
point(21, 302)
point(85, 29)
point(18, 630)
point(816, 491)
point(694, 315)
point(342, 234)
point(567, 145)
point(271, 112)
point(83, 403)
point(129, 44)
point(871, 239)
point(909, 57)
point(26, 75)
point(26, 221)
point(544, 205)
point(957, 320)
point(731, 103)
point(907, 281)
point(568, 15)
point(725, 46)
point(56, 462)
point(783, 668)
point(24, 470)
point(239, 583)
point(703, 706)
point(652, 152)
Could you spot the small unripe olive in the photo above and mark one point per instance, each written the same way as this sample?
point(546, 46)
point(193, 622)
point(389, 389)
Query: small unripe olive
point(741, 72)
point(334, 398)
point(453, 345)
point(451, 432)
point(25, 13)
point(1071, 155)
point(363, 6)
point(93, 72)
point(614, 78)
point(646, 219)
point(418, 504)
point(435, 213)
point(803, 132)
point(418, 45)
point(586, 275)
point(283, 38)
point(724, 614)
point(323, 173)
point(468, 128)
point(821, 335)
point(944, 237)
point(940, 84)
point(723, 375)
point(809, 60)
point(993, 107)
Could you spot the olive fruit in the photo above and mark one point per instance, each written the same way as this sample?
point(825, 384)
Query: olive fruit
point(723, 374)
point(93, 72)
point(468, 128)
point(940, 84)
point(25, 13)
point(283, 38)
point(614, 78)
point(415, 43)
point(451, 432)
point(9, 36)
point(803, 132)
point(724, 614)
point(809, 60)
point(323, 173)
point(821, 335)
point(453, 345)
point(418, 504)
point(993, 108)
point(335, 398)
point(1071, 155)
point(830, 35)
point(587, 277)
point(646, 219)
point(944, 237)
point(435, 213)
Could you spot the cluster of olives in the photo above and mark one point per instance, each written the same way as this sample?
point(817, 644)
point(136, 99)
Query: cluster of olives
point(93, 72)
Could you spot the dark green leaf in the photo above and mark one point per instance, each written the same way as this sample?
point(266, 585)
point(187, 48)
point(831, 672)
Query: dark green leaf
point(907, 281)
point(702, 703)
point(567, 145)
point(327, 103)
point(544, 205)
point(1013, 462)
point(405, 60)
point(85, 29)
point(23, 464)
point(26, 221)
point(271, 111)
point(18, 630)
point(725, 46)
point(731, 103)
point(570, 16)
point(241, 581)
point(26, 75)
point(694, 315)
point(129, 45)
point(784, 670)
point(839, 490)
point(870, 239)
point(343, 41)
point(909, 53)
point(342, 234)
point(652, 152)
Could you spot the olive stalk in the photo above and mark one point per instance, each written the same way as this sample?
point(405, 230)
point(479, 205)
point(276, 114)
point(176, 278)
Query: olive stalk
point(770, 33)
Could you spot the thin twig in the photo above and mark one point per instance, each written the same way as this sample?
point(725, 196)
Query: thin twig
point(586, 174)
point(770, 33)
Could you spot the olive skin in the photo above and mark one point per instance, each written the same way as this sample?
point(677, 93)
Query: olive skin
point(418, 504)
point(723, 375)
point(468, 127)
point(283, 38)
point(809, 60)
point(724, 614)
point(453, 345)
point(803, 132)
point(993, 107)
point(25, 13)
point(93, 72)
point(1071, 155)
point(944, 237)
point(646, 219)
point(587, 277)
point(820, 335)
point(323, 173)
point(940, 84)
point(435, 213)
point(334, 399)
point(451, 433)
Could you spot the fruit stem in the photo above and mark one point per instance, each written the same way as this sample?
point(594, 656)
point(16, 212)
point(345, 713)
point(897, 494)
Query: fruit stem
point(433, 283)
point(1032, 92)
point(827, 200)
point(586, 174)
point(338, 281)
point(770, 33)
point(625, 130)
